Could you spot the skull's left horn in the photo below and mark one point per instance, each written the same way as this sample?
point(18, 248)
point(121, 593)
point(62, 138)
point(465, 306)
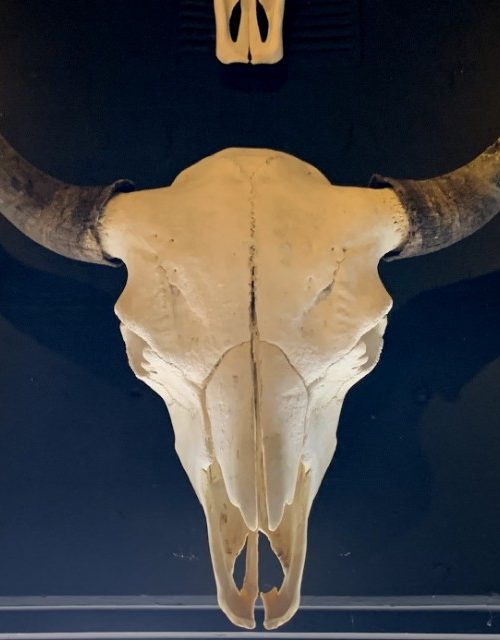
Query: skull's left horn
point(446, 209)
point(62, 217)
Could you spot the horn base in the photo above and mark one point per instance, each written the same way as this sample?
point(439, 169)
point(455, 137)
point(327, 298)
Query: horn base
point(61, 217)
point(447, 209)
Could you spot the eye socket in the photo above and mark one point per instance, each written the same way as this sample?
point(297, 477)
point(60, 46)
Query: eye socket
point(372, 342)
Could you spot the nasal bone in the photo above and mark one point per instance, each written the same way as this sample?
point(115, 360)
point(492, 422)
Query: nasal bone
point(249, 45)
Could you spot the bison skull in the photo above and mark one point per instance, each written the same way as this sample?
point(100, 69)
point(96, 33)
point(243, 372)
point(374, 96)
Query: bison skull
point(252, 305)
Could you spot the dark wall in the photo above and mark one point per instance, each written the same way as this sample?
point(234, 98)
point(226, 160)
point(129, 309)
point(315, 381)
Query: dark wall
point(92, 497)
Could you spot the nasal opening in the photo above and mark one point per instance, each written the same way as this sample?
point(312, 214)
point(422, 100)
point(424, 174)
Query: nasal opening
point(270, 570)
point(235, 21)
point(240, 567)
point(262, 21)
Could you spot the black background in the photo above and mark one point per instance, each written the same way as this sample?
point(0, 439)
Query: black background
point(92, 497)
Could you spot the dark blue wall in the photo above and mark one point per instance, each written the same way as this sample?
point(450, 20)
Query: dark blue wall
point(92, 497)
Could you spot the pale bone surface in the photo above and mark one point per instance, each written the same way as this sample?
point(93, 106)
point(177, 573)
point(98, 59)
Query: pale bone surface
point(253, 304)
point(249, 46)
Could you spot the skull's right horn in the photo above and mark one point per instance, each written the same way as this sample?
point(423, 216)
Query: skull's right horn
point(446, 209)
point(62, 217)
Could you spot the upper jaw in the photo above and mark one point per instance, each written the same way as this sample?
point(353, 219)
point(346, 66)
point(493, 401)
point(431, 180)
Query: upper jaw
point(228, 535)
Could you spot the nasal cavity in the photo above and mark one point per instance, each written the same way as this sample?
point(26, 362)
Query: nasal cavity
point(235, 21)
point(240, 568)
point(270, 569)
point(262, 21)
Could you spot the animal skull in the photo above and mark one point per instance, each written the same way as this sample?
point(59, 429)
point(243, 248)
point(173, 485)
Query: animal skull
point(252, 305)
point(249, 45)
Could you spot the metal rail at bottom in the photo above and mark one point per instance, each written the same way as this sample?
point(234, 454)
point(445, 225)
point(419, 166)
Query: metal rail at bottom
point(149, 617)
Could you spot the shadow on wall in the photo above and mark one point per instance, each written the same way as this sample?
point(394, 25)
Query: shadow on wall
point(406, 504)
point(68, 317)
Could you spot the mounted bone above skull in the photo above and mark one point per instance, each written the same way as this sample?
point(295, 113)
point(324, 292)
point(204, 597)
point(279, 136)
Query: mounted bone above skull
point(252, 43)
point(252, 306)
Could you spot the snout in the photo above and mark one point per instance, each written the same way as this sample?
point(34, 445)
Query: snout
point(229, 536)
point(256, 405)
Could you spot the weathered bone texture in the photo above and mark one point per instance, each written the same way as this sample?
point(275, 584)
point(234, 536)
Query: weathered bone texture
point(61, 217)
point(252, 305)
point(249, 46)
point(446, 209)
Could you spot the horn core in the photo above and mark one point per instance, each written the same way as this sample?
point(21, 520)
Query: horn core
point(448, 208)
point(62, 217)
